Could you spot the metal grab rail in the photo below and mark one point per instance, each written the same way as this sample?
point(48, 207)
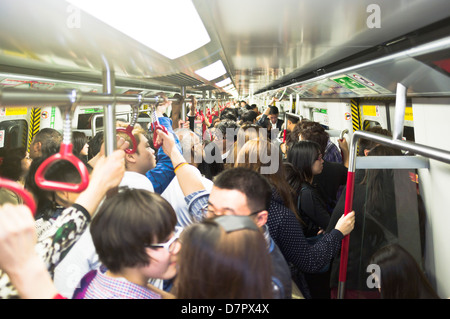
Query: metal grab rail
point(65, 154)
point(19, 190)
point(419, 149)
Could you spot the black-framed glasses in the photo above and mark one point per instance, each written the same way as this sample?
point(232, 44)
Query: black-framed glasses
point(207, 211)
point(171, 244)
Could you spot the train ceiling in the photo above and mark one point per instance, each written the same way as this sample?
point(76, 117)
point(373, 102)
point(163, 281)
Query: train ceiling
point(267, 47)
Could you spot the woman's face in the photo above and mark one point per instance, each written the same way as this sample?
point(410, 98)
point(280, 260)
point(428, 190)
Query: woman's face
point(317, 166)
point(85, 149)
point(163, 260)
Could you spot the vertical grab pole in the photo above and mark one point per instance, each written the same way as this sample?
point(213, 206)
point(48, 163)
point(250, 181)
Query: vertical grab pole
point(183, 106)
point(348, 209)
point(109, 110)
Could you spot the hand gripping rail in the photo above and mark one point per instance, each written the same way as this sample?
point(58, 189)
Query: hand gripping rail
point(19, 190)
point(65, 154)
point(129, 129)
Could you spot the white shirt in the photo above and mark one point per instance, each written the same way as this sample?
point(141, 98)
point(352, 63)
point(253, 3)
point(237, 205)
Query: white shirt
point(174, 195)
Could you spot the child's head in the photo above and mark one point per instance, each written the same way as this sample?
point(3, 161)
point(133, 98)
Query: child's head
point(126, 226)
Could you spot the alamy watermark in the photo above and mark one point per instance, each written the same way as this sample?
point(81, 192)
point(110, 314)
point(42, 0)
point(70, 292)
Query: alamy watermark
point(73, 20)
point(374, 19)
point(373, 281)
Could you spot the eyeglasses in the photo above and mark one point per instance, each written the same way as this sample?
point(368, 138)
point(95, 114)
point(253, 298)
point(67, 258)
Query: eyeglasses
point(171, 244)
point(319, 157)
point(225, 212)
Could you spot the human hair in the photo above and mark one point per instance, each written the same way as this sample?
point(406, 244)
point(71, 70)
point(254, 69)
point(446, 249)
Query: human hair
point(248, 116)
point(245, 133)
point(252, 184)
point(273, 110)
point(50, 140)
point(228, 114)
point(302, 155)
point(365, 144)
point(95, 144)
point(11, 164)
point(294, 180)
point(79, 139)
point(400, 275)
point(262, 156)
point(216, 264)
point(313, 131)
point(225, 126)
point(128, 221)
point(293, 119)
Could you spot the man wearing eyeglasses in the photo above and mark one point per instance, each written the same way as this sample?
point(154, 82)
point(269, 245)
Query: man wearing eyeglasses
point(239, 192)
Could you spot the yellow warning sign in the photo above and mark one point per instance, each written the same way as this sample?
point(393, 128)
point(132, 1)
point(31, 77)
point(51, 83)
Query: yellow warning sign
point(370, 110)
point(409, 114)
point(16, 111)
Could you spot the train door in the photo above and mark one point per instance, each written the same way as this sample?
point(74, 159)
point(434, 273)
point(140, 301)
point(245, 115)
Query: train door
point(13, 128)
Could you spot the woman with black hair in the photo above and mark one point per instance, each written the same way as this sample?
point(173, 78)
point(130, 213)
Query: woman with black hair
point(307, 158)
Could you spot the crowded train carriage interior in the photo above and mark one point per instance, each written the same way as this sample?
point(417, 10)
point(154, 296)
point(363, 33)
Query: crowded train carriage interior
point(371, 77)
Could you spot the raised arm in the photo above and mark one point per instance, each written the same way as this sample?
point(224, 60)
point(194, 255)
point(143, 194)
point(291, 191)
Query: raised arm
point(186, 174)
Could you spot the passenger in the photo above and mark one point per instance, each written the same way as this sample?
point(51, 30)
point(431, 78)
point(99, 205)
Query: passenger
point(45, 143)
point(14, 166)
point(23, 272)
point(291, 122)
point(235, 191)
point(228, 192)
point(193, 153)
point(230, 254)
point(245, 133)
point(126, 233)
point(375, 226)
point(80, 145)
point(225, 136)
point(334, 175)
point(52, 203)
point(95, 143)
point(163, 174)
point(284, 226)
point(249, 117)
point(270, 119)
point(307, 158)
point(83, 257)
point(400, 275)
point(67, 229)
point(228, 114)
point(365, 145)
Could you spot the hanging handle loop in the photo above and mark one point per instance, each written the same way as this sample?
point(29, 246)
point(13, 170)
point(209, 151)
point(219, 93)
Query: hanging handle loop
point(19, 190)
point(156, 126)
point(130, 127)
point(65, 154)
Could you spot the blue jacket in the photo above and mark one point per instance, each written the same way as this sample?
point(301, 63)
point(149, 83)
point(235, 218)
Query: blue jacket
point(163, 173)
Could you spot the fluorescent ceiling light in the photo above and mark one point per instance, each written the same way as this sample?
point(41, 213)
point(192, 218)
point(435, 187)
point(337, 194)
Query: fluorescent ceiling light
point(224, 82)
point(212, 71)
point(172, 28)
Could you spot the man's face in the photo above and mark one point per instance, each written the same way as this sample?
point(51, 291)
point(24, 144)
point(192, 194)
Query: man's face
point(145, 155)
point(273, 118)
point(227, 202)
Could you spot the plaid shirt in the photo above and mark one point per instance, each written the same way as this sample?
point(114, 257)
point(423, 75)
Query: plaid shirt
point(105, 287)
point(332, 153)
